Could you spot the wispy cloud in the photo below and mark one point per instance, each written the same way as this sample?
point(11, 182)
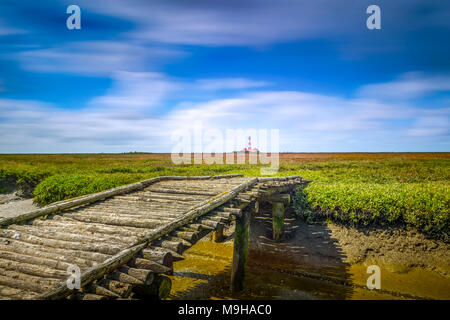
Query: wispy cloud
point(6, 30)
point(98, 58)
point(134, 93)
point(227, 84)
point(233, 22)
point(301, 112)
point(431, 123)
point(34, 127)
point(408, 86)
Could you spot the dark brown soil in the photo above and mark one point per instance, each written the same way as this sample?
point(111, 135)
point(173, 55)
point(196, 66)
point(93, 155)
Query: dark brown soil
point(412, 266)
point(403, 248)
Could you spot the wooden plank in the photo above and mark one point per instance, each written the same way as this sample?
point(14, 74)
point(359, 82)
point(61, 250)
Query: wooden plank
point(15, 294)
point(27, 249)
point(94, 227)
point(126, 222)
point(95, 272)
point(179, 191)
point(122, 289)
point(32, 269)
point(94, 236)
point(40, 240)
point(18, 257)
point(67, 235)
point(65, 254)
point(134, 213)
point(99, 290)
point(27, 282)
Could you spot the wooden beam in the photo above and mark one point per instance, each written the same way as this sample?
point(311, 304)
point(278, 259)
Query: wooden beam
point(280, 197)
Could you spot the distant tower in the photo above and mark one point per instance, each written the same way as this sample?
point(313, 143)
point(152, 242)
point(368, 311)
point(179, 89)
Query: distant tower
point(249, 148)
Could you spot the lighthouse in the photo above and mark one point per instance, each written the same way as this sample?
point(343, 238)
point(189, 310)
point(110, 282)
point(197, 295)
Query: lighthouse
point(249, 148)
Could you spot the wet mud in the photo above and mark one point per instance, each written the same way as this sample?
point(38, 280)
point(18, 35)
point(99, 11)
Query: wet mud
point(317, 261)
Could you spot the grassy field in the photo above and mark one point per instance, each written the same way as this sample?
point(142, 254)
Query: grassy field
point(356, 188)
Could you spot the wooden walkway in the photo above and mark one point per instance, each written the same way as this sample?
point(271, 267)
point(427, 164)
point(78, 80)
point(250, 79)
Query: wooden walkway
point(118, 244)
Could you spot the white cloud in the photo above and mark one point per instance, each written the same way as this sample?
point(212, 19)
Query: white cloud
point(99, 58)
point(26, 126)
point(434, 122)
point(408, 86)
point(134, 92)
point(233, 22)
point(231, 83)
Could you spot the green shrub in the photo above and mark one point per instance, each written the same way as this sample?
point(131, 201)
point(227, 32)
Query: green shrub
point(301, 204)
point(60, 187)
point(424, 206)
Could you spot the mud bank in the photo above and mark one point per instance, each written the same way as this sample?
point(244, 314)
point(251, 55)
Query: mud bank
point(14, 203)
point(16, 207)
point(318, 261)
point(17, 199)
point(12, 189)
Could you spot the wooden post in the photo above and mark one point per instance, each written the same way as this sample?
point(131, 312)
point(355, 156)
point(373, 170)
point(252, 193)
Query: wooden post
point(277, 220)
point(240, 252)
point(217, 235)
point(278, 201)
point(158, 290)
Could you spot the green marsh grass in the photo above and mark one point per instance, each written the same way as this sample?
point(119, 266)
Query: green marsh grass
point(357, 188)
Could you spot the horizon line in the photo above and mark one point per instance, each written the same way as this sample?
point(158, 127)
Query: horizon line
point(168, 153)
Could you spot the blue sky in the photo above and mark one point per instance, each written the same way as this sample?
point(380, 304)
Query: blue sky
point(138, 71)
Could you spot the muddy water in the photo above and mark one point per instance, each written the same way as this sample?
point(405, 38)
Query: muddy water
point(205, 274)
point(313, 262)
